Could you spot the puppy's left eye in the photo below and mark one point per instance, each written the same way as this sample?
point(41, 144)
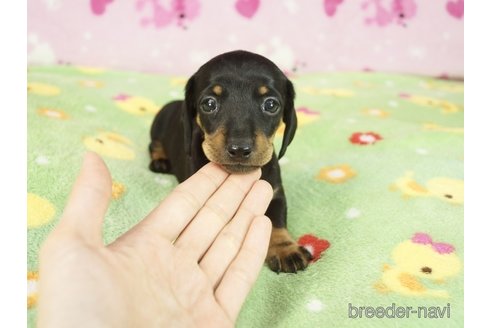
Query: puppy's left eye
point(270, 106)
point(209, 105)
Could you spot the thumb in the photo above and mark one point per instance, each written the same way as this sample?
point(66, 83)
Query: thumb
point(89, 200)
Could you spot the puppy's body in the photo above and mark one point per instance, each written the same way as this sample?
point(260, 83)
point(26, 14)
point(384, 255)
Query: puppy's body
point(233, 106)
point(168, 132)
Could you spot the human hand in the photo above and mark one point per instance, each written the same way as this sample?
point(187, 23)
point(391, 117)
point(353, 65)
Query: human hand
point(144, 279)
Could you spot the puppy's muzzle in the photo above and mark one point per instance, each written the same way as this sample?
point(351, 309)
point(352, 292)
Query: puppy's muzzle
point(240, 156)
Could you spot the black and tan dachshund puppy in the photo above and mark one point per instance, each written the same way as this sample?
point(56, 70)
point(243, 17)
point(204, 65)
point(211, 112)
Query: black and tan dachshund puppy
point(233, 106)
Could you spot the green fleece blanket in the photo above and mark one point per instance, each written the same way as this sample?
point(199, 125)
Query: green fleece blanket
point(374, 182)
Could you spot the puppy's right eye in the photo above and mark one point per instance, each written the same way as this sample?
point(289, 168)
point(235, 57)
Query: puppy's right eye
point(209, 105)
point(270, 106)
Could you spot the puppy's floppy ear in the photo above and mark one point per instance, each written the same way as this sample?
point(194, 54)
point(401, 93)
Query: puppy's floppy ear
point(290, 118)
point(189, 113)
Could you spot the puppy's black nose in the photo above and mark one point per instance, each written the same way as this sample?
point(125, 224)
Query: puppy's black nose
point(239, 152)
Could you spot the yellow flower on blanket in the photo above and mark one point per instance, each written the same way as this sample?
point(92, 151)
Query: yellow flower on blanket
point(40, 211)
point(304, 116)
point(53, 113)
point(442, 86)
point(42, 89)
point(136, 105)
point(178, 81)
point(117, 190)
point(110, 144)
point(334, 92)
point(32, 289)
point(336, 173)
point(445, 106)
point(364, 84)
point(375, 112)
point(91, 70)
point(417, 259)
point(441, 128)
point(91, 84)
point(447, 189)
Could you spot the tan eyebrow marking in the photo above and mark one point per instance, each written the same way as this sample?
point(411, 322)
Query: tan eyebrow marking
point(217, 90)
point(262, 90)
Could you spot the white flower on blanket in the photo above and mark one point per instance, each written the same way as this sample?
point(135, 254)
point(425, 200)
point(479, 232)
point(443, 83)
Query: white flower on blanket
point(53, 113)
point(32, 289)
point(336, 174)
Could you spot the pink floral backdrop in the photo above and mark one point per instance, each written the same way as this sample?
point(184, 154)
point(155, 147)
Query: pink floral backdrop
point(177, 36)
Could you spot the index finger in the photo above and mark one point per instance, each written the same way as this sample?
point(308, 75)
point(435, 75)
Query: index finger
point(184, 202)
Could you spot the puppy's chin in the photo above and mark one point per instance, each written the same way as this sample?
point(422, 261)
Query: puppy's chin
point(238, 168)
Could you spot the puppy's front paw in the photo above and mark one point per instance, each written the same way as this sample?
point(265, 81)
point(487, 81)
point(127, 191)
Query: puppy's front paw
point(285, 255)
point(290, 258)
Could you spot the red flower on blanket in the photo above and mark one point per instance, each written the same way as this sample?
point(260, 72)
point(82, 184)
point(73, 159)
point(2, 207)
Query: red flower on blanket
point(365, 138)
point(316, 246)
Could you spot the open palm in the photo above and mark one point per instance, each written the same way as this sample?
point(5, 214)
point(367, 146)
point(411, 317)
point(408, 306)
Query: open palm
point(190, 262)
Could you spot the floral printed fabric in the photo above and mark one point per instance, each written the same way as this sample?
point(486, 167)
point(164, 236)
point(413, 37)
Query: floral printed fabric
point(373, 178)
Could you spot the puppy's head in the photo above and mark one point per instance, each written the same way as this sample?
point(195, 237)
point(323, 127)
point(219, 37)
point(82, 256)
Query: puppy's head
point(238, 100)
